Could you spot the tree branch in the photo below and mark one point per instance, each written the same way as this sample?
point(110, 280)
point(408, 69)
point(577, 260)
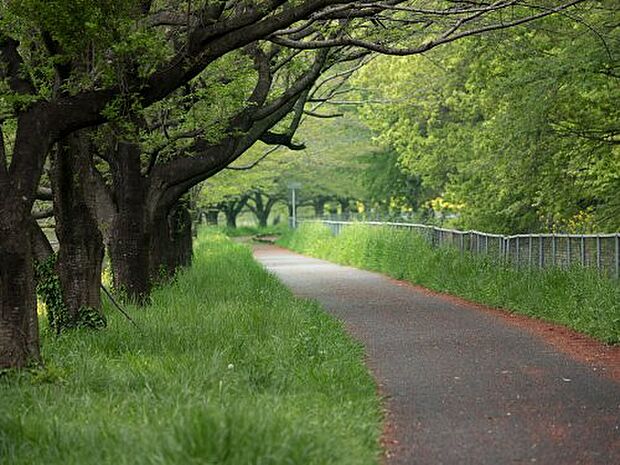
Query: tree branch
point(446, 37)
point(18, 81)
point(323, 116)
point(255, 162)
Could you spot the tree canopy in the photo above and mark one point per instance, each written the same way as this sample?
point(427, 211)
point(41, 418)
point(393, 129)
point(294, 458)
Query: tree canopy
point(518, 133)
point(135, 102)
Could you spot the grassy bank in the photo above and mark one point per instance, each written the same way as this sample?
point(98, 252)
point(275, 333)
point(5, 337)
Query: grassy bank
point(229, 368)
point(577, 298)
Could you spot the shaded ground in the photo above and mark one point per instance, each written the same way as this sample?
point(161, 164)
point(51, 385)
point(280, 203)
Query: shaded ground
point(465, 384)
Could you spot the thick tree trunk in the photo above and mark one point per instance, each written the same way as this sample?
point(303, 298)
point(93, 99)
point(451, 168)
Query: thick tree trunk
point(41, 247)
point(19, 331)
point(171, 242)
point(183, 236)
point(80, 254)
point(130, 235)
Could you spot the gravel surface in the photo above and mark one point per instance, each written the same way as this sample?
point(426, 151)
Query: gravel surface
point(463, 386)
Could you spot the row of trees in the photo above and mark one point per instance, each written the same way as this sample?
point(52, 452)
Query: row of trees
point(328, 173)
point(116, 109)
point(515, 134)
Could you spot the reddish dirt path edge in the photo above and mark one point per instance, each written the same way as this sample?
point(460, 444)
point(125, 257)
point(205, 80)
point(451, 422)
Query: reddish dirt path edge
point(585, 349)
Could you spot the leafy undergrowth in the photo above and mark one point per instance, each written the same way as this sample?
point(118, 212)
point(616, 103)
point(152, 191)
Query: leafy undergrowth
point(578, 298)
point(228, 368)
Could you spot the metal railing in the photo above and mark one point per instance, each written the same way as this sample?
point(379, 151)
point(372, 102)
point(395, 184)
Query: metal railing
point(600, 251)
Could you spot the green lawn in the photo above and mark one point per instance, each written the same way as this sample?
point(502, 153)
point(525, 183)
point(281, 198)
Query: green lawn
point(578, 298)
point(229, 368)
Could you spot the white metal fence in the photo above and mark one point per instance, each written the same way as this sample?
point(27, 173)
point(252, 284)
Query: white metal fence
point(600, 251)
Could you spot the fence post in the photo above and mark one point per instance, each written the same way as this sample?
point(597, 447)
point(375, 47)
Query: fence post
point(507, 250)
point(617, 256)
point(583, 251)
point(529, 251)
point(541, 251)
point(599, 261)
point(517, 253)
point(568, 251)
point(553, 250)
point(462, 241)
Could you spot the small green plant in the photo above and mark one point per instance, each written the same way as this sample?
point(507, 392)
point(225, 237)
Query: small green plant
point(49, 291)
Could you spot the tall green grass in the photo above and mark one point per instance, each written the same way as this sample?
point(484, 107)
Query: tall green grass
point(228, 368)
point(578, 298)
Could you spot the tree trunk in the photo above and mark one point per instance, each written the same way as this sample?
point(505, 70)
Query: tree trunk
point(130, 237)
point(319, 207)
point(231, 218)
point(41, 247)
point(19, 331)
point(180, 226)
point(19, 328)
point(262, 218)
point(171, 242)
point(262, 209)
point(80, 254)
point(211, 216)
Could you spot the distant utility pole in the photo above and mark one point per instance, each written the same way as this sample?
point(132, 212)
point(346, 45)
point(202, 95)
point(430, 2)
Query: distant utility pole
point(293, 186)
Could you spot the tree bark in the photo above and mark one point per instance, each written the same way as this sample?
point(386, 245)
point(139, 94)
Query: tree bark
point(183, 236)
point(41, 246)
point(129, 236)
point(171, 242)
point(19, 331)
point(81, 249)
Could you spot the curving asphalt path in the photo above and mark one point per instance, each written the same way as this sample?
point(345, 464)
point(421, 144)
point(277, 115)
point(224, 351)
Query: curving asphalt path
point(463, 386)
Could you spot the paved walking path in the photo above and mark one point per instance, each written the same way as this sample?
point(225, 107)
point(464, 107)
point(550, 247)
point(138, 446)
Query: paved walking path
point(463, 385)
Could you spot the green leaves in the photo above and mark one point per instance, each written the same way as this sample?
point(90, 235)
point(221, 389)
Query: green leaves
point(520, 128)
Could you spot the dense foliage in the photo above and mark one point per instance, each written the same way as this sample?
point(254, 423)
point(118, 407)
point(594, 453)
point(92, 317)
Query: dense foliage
point(514, 132)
